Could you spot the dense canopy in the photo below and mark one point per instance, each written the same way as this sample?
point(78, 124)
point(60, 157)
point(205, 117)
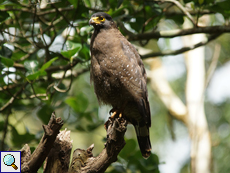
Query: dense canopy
point(45, 64)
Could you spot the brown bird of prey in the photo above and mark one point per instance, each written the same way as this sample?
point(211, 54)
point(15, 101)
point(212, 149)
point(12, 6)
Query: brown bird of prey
point(119, 77)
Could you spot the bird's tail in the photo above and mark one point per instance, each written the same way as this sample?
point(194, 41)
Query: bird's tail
point(143, 140)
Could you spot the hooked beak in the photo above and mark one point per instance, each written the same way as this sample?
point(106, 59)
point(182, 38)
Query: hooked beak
point(93, 20)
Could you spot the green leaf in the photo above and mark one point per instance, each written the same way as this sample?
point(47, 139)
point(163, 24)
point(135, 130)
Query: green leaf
point(209, 1)
point(179, 19)
point(72, 49)
point(118, 12)
point(32, 68)
point(78, 103)
point(88, 116)
point(222, 7)
point(69, 53)
point(151, 163)
point(1, 125)
point(4, 16)
point(10, 3)
point(84, 53)
point(87, 3)
point(137, 162)
point(137, 25)
point(44, 113)
point(113, 4)
point(47, 64)
point(130, 146)
point(74, 3)
point(18, 55)
point(5, 51)
point(36, 75)
point(119, 3)
point(18, 139)
point(201, 2)
point(6, 61)
point(119, 166)
point(31, 65)
point(71, 45)
point(187, 1)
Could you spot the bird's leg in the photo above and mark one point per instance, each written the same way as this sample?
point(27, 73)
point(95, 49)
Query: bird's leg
point(113, 111)
point(114, 114)
point(117, 111)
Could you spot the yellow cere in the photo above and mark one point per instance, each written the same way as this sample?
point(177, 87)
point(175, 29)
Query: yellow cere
point(98, 20)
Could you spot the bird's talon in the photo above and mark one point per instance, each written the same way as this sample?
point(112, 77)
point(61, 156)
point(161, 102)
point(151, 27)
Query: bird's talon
point(112, 111)
point(113, 115)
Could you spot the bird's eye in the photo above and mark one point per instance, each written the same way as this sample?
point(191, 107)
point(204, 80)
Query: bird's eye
point(101, 18)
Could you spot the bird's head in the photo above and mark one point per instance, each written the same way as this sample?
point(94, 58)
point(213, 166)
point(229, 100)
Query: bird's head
point(102, 20)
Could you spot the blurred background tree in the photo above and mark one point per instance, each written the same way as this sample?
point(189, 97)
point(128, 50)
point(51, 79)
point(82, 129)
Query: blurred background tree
point(44, 55)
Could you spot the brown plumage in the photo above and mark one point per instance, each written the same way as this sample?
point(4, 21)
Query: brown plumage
point(119, 77)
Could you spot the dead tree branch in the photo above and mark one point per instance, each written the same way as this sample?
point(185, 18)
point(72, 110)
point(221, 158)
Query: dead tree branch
point(84, 162)
point(182, 50)
point(56, 147)
point(59, 155)
point(173, 33)
point(51, 130)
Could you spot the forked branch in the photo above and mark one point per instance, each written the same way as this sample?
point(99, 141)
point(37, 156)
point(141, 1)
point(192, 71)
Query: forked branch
point(34, 162)
point(55, 147)
point(83, 160)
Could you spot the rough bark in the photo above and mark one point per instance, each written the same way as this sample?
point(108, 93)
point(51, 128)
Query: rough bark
point(59, 156)
point(34, 162)
point(56, 148)
point(84, 162)
point(80, 159)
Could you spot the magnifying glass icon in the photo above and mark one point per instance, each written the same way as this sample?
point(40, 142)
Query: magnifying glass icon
point(9, 160)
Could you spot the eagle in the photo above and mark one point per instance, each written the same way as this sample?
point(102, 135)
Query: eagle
point(119, 77)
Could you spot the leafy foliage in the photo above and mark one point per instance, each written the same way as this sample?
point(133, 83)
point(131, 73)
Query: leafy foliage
point(44, 64)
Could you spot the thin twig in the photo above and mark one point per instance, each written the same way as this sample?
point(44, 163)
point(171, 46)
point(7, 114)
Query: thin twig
point(213, 64)
point(13, 98)
point(39, 95)
point(59, 12)
point(35, 11)
point(22, 29)
point(178, 4)
point(182, 50)
point(193, 13)
point(35, 95)
point(64, 67)
point(11, 86)
point(41, 13)
point(173, 33)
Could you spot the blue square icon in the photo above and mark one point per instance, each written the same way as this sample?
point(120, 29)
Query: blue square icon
point(10, 161)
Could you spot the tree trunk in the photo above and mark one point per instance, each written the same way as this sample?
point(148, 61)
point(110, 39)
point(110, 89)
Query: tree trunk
point(197, 122)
